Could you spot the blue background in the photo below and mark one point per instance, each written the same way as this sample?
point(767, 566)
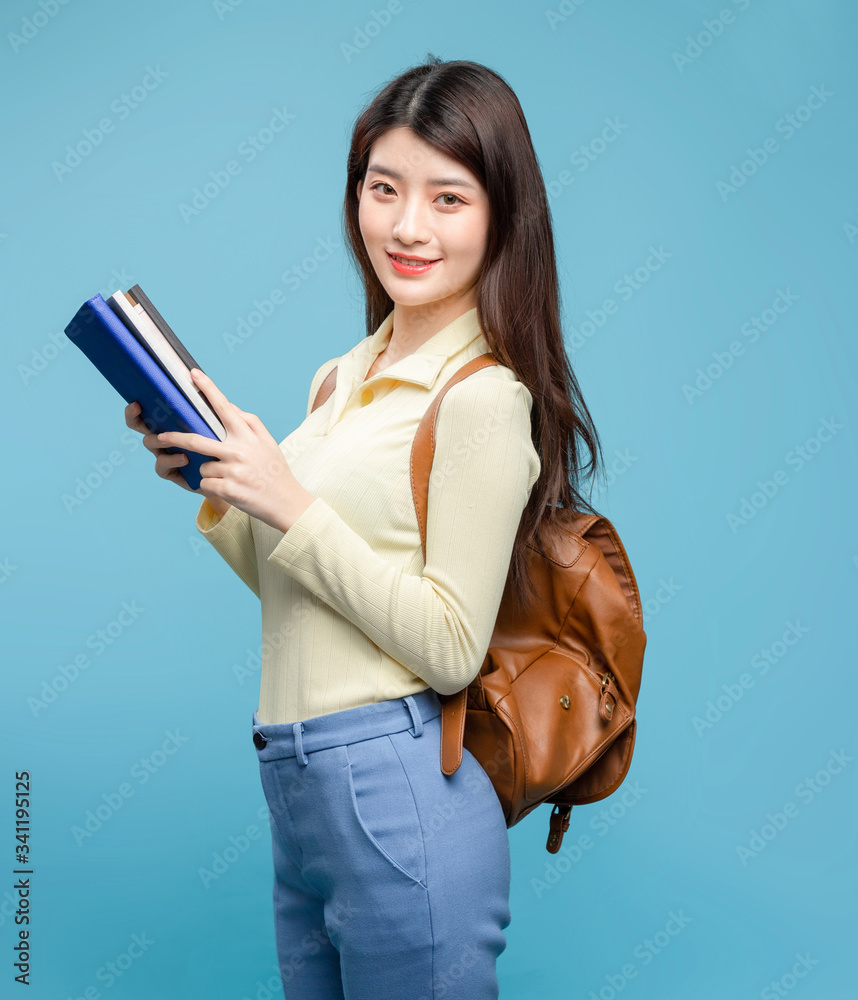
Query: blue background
point(708, 834)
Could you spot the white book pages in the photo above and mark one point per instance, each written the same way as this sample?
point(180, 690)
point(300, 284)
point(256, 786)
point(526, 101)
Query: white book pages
point(137, 319)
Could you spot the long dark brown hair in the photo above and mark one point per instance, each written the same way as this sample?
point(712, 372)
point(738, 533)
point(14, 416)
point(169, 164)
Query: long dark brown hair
point(470, 113)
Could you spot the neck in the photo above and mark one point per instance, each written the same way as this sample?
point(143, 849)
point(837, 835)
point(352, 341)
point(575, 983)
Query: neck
point(414, 325)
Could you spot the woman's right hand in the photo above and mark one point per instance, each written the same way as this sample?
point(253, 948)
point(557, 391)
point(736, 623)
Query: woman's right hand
point(167, 464)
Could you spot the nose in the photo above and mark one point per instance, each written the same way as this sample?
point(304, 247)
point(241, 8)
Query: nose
point(412, 224)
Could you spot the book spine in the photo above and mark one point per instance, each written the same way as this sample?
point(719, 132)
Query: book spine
point(131, 370)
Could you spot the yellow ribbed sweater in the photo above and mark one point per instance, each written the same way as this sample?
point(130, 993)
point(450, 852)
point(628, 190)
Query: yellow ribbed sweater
point(350, 613)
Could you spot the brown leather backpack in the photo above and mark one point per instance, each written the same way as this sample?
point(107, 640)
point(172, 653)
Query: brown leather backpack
point(551, 715)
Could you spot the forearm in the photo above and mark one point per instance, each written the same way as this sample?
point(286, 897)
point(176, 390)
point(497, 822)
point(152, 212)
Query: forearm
point(437, 625)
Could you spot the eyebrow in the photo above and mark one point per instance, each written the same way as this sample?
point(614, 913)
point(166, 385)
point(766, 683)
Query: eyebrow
point(433, 182)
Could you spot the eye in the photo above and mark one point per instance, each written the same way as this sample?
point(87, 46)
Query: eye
point(448, 204)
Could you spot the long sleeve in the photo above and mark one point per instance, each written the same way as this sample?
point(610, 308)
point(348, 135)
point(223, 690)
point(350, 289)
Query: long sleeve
point(232, 537)
point(438, 624)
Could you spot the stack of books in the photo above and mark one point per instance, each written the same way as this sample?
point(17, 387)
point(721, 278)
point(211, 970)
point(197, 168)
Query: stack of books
point(133, 347)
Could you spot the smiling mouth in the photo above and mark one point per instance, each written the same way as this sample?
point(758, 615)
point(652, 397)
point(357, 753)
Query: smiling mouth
point(413, 260)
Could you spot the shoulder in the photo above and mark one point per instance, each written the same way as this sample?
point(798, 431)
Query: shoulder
point(490, 406)
point(489, 413)
point(494, 388)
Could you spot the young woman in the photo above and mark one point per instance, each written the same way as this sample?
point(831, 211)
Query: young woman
point(390, 878)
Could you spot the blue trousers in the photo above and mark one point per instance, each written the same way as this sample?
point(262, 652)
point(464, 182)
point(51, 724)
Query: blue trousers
point(391, 879)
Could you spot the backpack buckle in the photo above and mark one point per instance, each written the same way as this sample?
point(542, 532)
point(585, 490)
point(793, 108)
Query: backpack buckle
point(609, 691)
point(559, 824)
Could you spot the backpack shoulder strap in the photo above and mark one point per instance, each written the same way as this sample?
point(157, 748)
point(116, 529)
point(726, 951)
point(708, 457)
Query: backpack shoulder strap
point(423, 447)
point(326, 388)
point(422, 453)
point(602, 533)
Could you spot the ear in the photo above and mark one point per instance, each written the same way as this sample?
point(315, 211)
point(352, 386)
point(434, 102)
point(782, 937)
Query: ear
point(359, 188)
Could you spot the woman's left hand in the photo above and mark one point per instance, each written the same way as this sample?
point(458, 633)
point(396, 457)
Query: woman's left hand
point(251, 472)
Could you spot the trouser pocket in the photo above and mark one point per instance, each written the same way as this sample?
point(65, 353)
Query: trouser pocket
point(384, 805)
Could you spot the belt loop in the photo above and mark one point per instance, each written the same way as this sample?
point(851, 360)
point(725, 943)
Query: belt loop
point(297, 729)
point(417, 729)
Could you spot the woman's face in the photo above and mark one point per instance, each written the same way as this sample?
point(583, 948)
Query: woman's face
point(416, 201)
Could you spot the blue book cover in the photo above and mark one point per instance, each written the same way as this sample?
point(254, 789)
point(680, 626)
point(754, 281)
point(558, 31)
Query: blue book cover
point(137, 376)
